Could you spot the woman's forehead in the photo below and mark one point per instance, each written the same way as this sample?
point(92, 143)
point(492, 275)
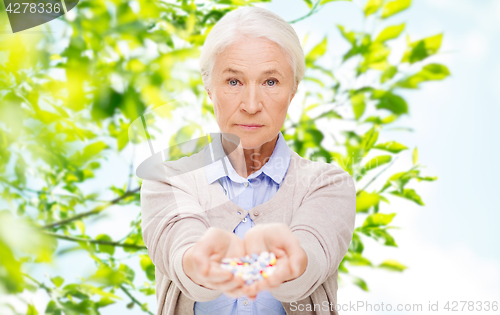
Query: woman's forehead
point(256, 54)
point(270, 71)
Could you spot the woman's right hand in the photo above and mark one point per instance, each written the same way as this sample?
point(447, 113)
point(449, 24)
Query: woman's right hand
point(201, 262)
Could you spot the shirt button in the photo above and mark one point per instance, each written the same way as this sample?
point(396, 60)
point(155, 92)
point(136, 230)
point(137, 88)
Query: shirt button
point(245, 302)
point(256, 213)
point(246, 184)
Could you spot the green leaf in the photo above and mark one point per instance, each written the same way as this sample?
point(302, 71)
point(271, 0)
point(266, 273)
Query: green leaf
point(394, 7)
point(132, 106)
point(369, 139)
point(409, 194)
point(392, 102)
point(427, 178)
point(147, 266)
point(309, 3)
point(361, 283)
point(377, 161)
point(392, 265)
point(378, 219)
point(315, 53)
point(52, 309)
point(379, 234)
point(324, 70)
point(91, 151)
point(31, 310)
point(80, 225)
point(382, 198)
point(356, 259)
point(135, 239)
point(356, 243)
point(391, 146)
point(105, 301)
point(106, 102)
point(390, 32)
point(57, 281)
point(20, 170)
point(147, 289)
point(326, 1)
point(342, 268)
point(110, 249)
point(349, 35)
point(415, 156)
point(430, 72)
point(366, 200)
point(330, 114)
point(358, 104)
point(128, 272)
point(315, 80)
point(388, 74)
point(422, 49)
point(372, 6)
point(313, 137)
point(46, 117)
point(400, 179)
point(382, 121)
point(375, 57)
point(107, 276)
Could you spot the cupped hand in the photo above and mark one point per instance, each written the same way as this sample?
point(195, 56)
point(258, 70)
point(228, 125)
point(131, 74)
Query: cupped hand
point(291, 259)
point(201, 262)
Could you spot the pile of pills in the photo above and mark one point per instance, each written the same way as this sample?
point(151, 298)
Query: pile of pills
point(251, 268)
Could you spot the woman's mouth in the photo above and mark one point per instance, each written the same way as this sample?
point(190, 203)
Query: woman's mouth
point(250, 127)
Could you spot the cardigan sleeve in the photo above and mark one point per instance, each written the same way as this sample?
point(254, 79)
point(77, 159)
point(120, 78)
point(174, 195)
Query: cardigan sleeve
point(323, 224)
point(172, 221)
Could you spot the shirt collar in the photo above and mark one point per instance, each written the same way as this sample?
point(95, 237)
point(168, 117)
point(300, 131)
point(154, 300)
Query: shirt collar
point(275, 168)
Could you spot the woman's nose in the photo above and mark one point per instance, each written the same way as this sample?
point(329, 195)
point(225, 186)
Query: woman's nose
point(251, 99)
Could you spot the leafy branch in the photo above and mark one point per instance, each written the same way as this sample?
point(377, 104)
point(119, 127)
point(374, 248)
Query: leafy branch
point(376, 176)
point(313, 10)
point(101, 242)
point(134, 300)
point(93, 211)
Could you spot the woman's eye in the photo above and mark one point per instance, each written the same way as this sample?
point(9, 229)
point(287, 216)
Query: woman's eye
point(269, 82)
point(233, 80)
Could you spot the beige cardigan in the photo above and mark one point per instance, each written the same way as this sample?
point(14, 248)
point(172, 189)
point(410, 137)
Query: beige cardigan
point(316, 200)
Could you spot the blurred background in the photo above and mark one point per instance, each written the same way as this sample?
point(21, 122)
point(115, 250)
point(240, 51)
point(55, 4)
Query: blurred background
point(70, 89)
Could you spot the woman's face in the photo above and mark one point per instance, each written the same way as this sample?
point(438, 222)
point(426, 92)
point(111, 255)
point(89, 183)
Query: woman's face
point(252, 84)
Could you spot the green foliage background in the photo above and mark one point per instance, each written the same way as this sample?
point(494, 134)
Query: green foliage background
point(66, 104)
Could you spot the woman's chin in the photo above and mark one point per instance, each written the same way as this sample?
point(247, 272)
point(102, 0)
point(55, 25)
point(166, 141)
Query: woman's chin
point(252, 142)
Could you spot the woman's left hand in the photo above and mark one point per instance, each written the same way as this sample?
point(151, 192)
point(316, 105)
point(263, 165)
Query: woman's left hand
point(291, 259)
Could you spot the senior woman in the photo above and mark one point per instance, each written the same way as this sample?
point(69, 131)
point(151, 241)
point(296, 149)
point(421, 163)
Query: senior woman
point(247, 191)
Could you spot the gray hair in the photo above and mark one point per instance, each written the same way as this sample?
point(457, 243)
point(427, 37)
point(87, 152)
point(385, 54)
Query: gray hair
point(254, 22)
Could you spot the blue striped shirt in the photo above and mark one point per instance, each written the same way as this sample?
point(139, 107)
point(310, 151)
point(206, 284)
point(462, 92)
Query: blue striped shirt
point(247, 193)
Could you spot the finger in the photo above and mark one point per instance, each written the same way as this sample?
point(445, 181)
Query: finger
point(201, 258)
point(236, 292)
point(258, 286)
point(215, 243)
point(254, 241)
point(256, 246)
point(217, 275)
point(280, 253)
point(231, 285)
point(251, 289)
point(282, 273)
point(236, 247)
point(294, 252)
